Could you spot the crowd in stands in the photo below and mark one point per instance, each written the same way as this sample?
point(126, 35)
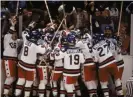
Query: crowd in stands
point(103, 13)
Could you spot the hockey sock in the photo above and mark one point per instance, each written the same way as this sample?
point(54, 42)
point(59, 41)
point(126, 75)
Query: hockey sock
point(54, 89)
point(19, 86)
point(118, 87)
point(28, 88)
point(48, 90)
point(7, 85)
point(105, 88)
point(62, 89)
point(42, 89)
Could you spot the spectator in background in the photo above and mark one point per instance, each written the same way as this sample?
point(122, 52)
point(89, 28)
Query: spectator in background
point(27, 14)
point(82, 19)
point(12, 5)
point(70, 16)
point(5, 14)
point(105, 19)
point(114, 14)
point(95, 22)
point(124, 38)
point(129, 8)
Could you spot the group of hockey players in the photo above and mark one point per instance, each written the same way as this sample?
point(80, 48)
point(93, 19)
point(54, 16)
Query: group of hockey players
point(53, 61)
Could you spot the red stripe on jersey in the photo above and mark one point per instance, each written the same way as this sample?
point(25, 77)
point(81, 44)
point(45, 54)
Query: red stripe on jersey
point(119, 63)
point(105, 90)
point(71, 71)
point(62, 91)
point(107, 61)
point(58, 68)
point(119, 88)
point(7, 86)
point(27, 88)
point(92, 91)
point(89, 60)
point(10, 58)
point(31, 66)
point(19, 87)
point(35, 87)
point(70, 94)
point(41, 91)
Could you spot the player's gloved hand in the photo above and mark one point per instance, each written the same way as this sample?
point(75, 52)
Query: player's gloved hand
point(32, 25)
point(49, 50)
point(13, 20)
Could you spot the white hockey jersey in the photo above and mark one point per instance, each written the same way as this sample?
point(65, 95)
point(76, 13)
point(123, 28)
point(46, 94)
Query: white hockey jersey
point(10, 47)
point(116, 51)
point(73, 58)
point(57, 56)
point(86, 51)
point(29, 53)
point(102, 54)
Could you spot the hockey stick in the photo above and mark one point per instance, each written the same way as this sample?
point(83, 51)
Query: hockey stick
point(64, 13)
point(17, 7)
point(91, 25)
point(48, 11)
point(120, 19)
point(53, 37)
point(57, 30)
point(51, 22)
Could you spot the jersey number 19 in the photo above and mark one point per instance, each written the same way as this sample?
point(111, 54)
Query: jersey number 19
point(74, 59)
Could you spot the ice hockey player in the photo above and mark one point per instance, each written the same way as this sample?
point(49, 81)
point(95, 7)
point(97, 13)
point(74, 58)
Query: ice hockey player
point(26, 65)
point(107, 65)
point(73, 59)
point(10, 54)
point(114, 45)
point(89, 68)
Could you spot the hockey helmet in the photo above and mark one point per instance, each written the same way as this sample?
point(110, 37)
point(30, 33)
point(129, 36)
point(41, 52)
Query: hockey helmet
point(71, 39)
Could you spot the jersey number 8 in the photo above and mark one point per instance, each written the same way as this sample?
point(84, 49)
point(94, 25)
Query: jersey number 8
point(26, 51)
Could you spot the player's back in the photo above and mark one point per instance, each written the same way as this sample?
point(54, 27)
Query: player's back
point(73, 58)
point(103, 54)
point(29, 52)
point(84, 48)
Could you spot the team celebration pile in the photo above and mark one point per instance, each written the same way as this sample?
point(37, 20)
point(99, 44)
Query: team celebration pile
point(62, 59)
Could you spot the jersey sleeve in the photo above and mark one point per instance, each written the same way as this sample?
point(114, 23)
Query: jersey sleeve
point(5, 40)
point(58, 63)
point(82, 59)
point(78, 44)
point(118, 56)
point(52, 56)
point(59, 55)
point(40, 49)
point(25, 33)
point(94, 55)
